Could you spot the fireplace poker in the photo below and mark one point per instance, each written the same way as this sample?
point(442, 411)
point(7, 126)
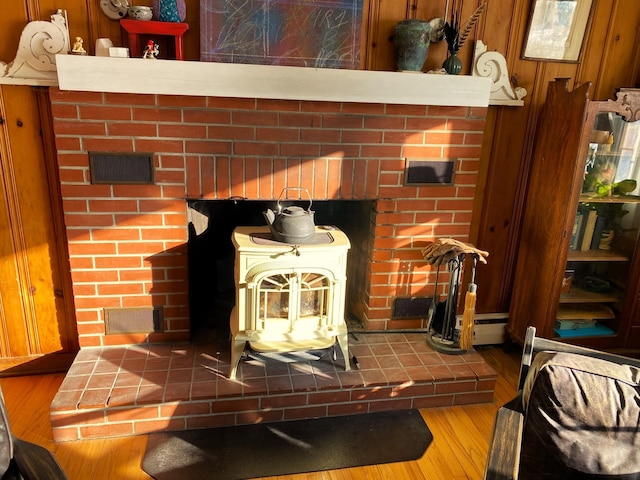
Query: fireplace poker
point(455, 269)
point(434, 302)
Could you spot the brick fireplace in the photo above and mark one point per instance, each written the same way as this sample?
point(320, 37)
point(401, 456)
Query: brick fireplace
point(128, 242)
point(224, 134)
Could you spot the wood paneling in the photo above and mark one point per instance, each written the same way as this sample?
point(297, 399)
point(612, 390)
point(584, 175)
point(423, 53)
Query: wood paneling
point(618, 63)
point(12, 22)
point(33, 314)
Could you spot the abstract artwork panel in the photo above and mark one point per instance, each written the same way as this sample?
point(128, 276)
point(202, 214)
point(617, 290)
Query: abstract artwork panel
point(306, 33)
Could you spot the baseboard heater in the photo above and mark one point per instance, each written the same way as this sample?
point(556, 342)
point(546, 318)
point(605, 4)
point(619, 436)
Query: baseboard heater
point(488, 329)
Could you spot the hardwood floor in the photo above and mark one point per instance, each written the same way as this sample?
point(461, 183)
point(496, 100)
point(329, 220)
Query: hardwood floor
point(458, 451)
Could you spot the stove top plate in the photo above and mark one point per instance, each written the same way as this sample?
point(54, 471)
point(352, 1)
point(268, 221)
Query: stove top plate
point(266, 238)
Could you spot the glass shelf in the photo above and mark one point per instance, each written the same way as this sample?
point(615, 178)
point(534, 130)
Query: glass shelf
point(580, 295)
point(610, 199)
point(597, 256)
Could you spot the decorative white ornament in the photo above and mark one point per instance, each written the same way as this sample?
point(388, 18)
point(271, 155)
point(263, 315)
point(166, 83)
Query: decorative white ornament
point(35, 61)
point(493, 65)
point(114, 9)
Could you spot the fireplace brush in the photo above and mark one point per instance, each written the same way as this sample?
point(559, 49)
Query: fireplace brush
point(468, 321)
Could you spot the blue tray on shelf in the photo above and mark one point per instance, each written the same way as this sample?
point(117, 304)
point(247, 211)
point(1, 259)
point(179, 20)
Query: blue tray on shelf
point(597, 330)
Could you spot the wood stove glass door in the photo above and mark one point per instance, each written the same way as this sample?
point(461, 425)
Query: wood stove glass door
point(292, 301)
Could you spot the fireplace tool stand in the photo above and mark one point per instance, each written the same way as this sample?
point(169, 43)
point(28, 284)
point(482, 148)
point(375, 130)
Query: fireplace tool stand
point(442, 334)
point(441, 325)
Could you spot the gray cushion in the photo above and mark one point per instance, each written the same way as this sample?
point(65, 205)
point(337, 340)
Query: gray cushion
point(582, 419)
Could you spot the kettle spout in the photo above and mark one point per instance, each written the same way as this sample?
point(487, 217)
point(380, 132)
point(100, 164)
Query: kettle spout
point(269, 216)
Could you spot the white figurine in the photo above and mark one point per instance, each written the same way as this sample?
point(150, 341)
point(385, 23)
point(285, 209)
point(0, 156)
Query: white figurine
point(152, 50)
point(78, 46)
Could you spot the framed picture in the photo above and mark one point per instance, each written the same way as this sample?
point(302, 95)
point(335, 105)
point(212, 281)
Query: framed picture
point(302, 33)
point(556, 30)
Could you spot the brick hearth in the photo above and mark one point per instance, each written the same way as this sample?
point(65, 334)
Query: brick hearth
point(128, 390)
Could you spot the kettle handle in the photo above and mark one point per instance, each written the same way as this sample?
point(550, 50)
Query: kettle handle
point(299, 189)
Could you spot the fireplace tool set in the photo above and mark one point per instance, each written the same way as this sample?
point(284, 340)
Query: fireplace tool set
point(442, 316)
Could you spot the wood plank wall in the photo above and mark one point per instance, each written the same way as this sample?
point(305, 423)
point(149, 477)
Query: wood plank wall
point(610, 59)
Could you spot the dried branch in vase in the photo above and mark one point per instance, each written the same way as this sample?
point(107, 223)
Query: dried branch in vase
point(455, 39)
point(470, 24)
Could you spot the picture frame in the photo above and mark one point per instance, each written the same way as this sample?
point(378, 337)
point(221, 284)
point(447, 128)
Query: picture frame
point(299, 33)
point(556, 30)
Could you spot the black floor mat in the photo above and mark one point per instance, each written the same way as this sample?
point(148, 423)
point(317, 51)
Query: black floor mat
point(262, 450)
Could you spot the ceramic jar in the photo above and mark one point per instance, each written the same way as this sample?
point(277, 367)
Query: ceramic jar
point(140, 13)
point(412, 37)
point(452, 65)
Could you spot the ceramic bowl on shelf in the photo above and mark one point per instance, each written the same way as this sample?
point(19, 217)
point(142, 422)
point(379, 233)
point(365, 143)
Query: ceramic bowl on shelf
point(140, 12)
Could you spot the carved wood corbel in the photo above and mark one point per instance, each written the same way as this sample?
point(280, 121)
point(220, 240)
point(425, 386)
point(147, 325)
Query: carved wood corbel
point(35, 61)
point(628, 101)
point(494, 66)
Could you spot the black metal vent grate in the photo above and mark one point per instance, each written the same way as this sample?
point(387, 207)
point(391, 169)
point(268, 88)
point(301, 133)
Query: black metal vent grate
point(133, 320)
point(134, 168)
point(429, 172)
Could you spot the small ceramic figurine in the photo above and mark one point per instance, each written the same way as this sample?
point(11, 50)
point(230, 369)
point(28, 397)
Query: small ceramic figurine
point(152, 50)
point(78, 47)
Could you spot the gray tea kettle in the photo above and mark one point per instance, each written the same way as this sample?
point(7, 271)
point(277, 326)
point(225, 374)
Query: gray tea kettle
point(291, 224)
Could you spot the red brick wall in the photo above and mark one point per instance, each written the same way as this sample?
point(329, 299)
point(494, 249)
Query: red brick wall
point(127, 243)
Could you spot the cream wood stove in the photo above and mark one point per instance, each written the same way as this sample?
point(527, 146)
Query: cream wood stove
point(288, 297)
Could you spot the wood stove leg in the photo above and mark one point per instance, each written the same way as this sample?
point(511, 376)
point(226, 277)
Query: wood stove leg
point(343, 341)
point(237, 347)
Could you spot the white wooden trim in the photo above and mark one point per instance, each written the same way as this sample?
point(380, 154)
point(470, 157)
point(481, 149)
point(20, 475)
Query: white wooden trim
point(171, 77)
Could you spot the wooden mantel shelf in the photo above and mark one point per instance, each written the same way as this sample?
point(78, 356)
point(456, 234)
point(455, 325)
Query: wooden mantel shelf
point(170, 77)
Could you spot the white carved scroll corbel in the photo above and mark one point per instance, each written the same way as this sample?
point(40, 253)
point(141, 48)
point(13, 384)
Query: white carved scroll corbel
point(494, 66)
point(35, 61)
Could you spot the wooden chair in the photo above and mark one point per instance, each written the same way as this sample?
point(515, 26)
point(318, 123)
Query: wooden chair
point(20, 460)
point(575, 416)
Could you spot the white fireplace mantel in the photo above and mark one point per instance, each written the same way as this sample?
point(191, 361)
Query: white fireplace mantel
point(171, 77)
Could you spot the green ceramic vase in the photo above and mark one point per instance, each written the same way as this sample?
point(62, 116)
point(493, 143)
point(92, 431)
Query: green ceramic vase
point(411, 41)
point(452, 65)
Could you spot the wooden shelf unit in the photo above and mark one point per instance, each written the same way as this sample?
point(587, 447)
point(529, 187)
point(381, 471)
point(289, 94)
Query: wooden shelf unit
point(565, 153)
